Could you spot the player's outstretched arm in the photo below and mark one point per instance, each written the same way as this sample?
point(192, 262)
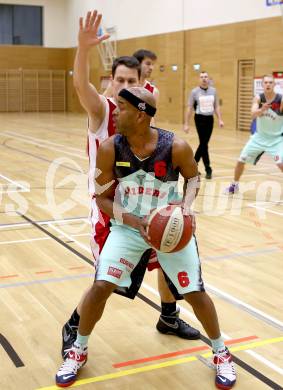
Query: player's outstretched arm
point(88, 95)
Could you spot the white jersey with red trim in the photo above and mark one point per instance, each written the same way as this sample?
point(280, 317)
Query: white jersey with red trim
point(106, 129)
point(150, 87)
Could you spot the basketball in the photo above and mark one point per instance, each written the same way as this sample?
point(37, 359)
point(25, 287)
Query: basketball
point(169, 230)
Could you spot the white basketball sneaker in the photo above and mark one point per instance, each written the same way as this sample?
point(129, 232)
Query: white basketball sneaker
point(76, 359)
point(225, 370)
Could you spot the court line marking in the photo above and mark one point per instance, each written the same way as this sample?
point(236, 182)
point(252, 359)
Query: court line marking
point(181, 352)
point(9, 276)
point(55, 238)
point(45, 281)
point(8, 348)
point(38, 239)
point(63, 221)
point(91, 276)
point(265, 209)
point(13, 191)
point(14, 182)
point(41, 158)
point(248, 169)
point(169, 363)
point(42, 140)
point(246, 175)
point(276, 202)
point(248, 308)
point(225, 336)
point(241, 254)
point(87, 260)
point(61, 150)
point(84, 247)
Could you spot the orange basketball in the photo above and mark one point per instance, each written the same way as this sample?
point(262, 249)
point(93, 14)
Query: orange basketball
point(169, 230)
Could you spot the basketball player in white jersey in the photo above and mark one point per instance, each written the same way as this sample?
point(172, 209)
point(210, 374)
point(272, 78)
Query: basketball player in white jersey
point(147, 60)
point(125, 73)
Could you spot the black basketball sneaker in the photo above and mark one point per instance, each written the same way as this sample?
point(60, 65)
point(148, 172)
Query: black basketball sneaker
point(175, 326)
point(69, 335)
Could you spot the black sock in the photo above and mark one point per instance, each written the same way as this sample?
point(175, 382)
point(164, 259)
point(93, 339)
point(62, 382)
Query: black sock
point(75, 318)
point(168, 309)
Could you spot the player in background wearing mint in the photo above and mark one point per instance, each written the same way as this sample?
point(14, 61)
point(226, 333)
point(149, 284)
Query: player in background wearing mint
point(142, 149)
point(267, 108)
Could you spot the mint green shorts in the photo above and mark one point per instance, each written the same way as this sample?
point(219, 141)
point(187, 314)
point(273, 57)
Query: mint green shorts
point(124, 248)
point(257, 145)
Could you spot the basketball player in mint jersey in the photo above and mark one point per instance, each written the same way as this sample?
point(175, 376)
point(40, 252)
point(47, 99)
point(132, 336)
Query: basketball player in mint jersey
point(147, 163)
point(125, 73)
point(267, 108)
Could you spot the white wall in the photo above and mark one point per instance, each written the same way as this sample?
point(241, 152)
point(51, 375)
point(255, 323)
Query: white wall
point(214, 12)
point(135, 18)
point(55, 16)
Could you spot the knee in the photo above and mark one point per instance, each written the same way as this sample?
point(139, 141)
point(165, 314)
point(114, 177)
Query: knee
point(196, 298)
point(101, 290)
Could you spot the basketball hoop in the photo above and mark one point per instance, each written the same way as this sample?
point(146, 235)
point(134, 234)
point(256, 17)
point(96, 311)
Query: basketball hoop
point(108, 49)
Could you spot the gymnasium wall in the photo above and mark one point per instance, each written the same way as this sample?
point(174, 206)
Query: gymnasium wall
point(55, 15)
point(137, 19)
point(217, 49)
point(60, 17)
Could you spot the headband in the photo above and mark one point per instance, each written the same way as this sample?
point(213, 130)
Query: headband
point(137, 102)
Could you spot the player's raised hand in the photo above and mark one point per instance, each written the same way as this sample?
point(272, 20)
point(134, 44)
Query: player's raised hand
point(89, 30)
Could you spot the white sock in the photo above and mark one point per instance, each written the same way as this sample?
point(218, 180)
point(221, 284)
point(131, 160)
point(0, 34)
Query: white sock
point(82, 340)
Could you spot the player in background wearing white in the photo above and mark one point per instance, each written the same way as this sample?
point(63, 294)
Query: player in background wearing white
point(125, 73)
point(147, 60)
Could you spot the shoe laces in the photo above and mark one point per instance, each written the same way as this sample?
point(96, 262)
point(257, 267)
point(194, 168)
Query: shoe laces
point(73, 328)
point(70, 366)
point(224, 365)
point(182, 322)
point(177, 319)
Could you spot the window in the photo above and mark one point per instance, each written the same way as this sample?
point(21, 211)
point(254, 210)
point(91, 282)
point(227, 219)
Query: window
point(20, 25)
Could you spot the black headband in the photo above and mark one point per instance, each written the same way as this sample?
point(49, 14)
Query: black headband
point(137, 102)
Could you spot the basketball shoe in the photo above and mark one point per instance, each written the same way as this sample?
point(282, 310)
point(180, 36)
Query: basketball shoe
point(208, 173)
point(69, 335)
point(232, 189)
point(174, 325)
point(225, 370)
point(76, 359)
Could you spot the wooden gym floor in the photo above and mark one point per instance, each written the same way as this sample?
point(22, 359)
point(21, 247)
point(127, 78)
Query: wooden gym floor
point(45, 267)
